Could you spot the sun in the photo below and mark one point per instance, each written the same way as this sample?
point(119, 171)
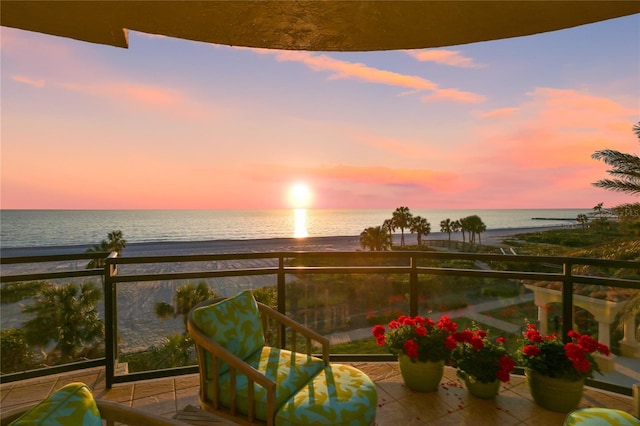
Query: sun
point(300, 196)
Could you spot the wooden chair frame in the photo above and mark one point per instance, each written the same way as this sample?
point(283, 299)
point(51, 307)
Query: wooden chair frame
point(204, 345)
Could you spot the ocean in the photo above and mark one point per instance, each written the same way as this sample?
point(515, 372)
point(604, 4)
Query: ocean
point(53, 228)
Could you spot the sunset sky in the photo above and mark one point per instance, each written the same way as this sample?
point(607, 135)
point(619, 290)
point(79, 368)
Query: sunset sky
point(176, 124)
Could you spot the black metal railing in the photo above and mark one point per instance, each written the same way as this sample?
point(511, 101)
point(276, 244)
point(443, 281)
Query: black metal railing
point(413, 265)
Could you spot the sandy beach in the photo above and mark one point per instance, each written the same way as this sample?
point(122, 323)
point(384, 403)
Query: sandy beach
point(337, 243)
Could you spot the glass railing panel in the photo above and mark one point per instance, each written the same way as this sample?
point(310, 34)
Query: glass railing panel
point(344, 307)
point(151, 317)
point(50, 322)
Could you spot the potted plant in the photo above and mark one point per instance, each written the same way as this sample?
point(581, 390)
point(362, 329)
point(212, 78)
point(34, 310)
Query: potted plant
point(555, 370)
point(481, 362)
point(422, 347)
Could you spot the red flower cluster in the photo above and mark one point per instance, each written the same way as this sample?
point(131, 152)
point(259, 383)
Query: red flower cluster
point(418, 337)
point(583, 344)
point(481, 358)
point(540, 352)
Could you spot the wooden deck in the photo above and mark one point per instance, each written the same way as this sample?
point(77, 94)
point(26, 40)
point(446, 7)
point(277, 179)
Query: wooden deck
point(451, 404)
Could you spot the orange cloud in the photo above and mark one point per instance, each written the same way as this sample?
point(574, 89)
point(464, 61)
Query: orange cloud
point(453, 95)
point(356, 71)
point(500, 112)
point(452, 58)
point(361, 72)
point(147, 95)
point(440, 181)
point(28, 81)
point(144, 96)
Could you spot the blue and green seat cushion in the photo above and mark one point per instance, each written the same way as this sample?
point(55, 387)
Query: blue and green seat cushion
point(340, 395)
point(234, 324)
point(600, 417)
point(71, 405)
point(289, 370)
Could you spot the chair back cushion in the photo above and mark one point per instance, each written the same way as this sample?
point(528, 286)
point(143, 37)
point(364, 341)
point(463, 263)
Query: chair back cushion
point(234, 324)
point(71, 405)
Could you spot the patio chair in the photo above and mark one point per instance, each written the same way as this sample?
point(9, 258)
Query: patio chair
point(74, 405)
point(600, 416)
point(245, 380)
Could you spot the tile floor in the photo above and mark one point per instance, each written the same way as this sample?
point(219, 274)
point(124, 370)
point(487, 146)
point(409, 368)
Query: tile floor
point(397, 405)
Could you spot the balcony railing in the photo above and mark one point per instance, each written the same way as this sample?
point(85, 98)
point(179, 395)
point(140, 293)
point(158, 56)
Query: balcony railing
point(416, 276)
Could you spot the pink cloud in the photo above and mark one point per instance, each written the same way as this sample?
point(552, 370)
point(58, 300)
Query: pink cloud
point(28, 81)
point(452, 58)
point(547, 147)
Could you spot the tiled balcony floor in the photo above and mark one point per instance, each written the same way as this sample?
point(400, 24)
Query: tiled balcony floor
point(450, 405)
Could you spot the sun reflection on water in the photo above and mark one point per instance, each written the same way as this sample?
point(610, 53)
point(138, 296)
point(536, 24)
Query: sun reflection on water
point(300, 230)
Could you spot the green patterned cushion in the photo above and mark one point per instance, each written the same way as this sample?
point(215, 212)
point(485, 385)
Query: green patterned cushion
point(600, 417)
point(290, 370)
point(234, 324)
point(339, 396)
point(71, 405)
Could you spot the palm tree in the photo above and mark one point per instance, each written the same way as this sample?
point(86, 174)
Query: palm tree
point(447, 226)
point(478, 227)
point(626, 172)
point(474, 226)
point(185, 298)
point(376, 238)
point(463, 222)
point(65, 315)
point(582, 219)
point(389, 227)
point(114, 242)
point(455, 226)
point(402, 219)
point(420, 226)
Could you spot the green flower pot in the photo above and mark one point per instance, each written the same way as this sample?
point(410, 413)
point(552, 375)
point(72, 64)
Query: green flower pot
point(482, 390)
point(554, 394)
point(421, 376)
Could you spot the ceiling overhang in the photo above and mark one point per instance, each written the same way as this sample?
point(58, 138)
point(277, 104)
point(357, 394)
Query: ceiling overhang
point(308, 25)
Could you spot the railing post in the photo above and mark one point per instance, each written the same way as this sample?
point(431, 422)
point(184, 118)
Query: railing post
point(567, 301)
point(413, 288)
point(110, 323)
point(282, 298)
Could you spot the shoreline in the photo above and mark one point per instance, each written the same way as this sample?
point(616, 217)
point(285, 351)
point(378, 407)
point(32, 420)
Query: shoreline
point(333, 243)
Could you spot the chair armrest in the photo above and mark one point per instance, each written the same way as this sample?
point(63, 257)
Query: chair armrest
point(10, 415)
point(109, 411)
point(298, 328)
point(114, 412)
point(234, 362)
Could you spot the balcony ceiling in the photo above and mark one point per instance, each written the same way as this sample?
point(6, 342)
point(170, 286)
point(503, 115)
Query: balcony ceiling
point(308, 25)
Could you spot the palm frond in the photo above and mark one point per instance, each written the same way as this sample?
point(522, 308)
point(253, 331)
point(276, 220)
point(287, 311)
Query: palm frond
point(618, 185)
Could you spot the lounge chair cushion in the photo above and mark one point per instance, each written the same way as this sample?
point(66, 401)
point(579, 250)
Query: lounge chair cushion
point(71, 405)
point(233, 323)
point(600, 417)
point(340, 395)
point(290, 370)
